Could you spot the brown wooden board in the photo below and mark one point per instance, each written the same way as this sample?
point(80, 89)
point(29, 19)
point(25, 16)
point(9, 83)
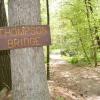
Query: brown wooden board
point(24, 36)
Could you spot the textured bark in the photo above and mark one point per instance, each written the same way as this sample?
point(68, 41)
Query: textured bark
point(5, 69)
point(3, 20)
point(27, 65)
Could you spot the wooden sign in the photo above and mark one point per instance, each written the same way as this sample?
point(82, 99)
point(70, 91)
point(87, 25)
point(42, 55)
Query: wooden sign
point(24, 36)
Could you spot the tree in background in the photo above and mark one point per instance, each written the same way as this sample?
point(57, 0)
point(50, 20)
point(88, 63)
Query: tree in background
point(5, 68)
point(80, 23)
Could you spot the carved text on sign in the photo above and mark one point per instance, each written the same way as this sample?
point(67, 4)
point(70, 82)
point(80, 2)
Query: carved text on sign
point(15, 43)
point(24, 36)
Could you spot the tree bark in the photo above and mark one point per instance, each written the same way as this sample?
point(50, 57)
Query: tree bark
point(48, 48)
point(5, 69)
point(27, 64)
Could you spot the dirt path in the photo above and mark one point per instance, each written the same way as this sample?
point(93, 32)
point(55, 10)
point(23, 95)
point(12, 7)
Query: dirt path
point(69, 82)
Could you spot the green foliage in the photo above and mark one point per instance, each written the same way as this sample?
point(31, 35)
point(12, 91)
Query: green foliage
point(43, 12)
point(79, 30)
point(74, 60)
point(73, 28)
point(98, 57)
point(60, 98)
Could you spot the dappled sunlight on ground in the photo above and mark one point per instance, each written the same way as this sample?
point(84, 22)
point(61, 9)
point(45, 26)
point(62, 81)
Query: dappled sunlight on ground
point(65, 74)
point(74, 83)
point(94, 98)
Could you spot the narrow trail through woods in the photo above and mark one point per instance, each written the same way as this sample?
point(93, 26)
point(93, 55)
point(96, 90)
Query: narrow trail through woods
point(71, 82)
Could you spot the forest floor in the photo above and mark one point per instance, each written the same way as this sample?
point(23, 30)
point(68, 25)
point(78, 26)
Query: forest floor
point(70, 82)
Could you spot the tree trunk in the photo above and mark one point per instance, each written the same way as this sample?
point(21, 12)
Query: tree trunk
point(89, 10)
point(27, 64)
point(48, 48)
point(5, 69)
point(82, 44)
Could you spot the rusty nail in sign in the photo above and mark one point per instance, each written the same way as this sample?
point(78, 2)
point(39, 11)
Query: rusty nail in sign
point(24, 36)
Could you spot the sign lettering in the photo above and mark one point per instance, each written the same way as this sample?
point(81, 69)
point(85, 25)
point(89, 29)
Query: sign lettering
point(24, 36)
